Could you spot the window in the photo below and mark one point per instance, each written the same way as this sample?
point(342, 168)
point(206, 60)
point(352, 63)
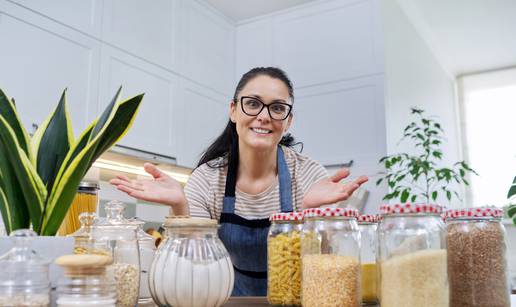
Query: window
point(489, 125)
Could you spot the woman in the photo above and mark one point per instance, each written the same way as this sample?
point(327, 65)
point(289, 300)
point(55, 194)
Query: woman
point(248, 173)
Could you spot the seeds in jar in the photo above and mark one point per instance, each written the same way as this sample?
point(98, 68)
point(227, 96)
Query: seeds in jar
point(284, 272)
point(127, 284)
point(330, 281)
point(415, 279)
point(476, 264)
point(20, 300)
point(369, 283)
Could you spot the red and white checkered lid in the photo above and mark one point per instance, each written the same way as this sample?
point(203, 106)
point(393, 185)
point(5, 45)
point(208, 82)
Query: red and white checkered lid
point(287, 216)
point(474, 212)
point(330, 212)
point(368, 218)
point(408, 208)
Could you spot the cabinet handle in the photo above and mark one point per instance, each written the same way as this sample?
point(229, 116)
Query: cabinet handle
point(346, 164)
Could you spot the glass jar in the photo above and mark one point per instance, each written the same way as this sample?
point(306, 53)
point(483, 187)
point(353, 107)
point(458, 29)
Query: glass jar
point(146, 244)
point(86, 200)
point(84, 282)
point(368, 225)
point(477, 266)
point(191, 267)
point(82, 237)
point(412, 256)
point(284, 259)
point(117, 237)
point(24, 275)
point(330, 258)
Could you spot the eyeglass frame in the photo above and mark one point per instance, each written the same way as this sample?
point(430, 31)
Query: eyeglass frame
point(265, 105)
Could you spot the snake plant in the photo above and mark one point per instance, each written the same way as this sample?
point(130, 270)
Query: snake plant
point(511, 195)
point(39, 175)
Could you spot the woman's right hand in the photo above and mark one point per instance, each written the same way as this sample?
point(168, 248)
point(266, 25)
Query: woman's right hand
point(161, 189)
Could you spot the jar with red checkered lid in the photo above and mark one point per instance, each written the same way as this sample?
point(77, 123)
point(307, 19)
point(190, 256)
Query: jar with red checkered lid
point(284, 259)
point(368, 224)
point(477, 264)
point(330, 249)
point(412, 256)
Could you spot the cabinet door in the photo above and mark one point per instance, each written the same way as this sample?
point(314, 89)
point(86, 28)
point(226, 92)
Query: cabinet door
point(40, 58)
point(146, 29)
point(83, 15)
point(153, 130)
point(204, 114)
point(207, 46)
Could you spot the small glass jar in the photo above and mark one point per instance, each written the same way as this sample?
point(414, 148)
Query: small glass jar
point(117, 237)
point(86, 200)
point(477, 264)
point(284, 259)
point(24, 275)
point(191, 267)
point(412, 256)
point(147, 246)
point(330, 258)
point(368, 225)
point(84, 282)
point(82, 237)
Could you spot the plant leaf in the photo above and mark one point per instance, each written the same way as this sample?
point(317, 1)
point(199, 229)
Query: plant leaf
point(34, 191)
point(8, 112)
point(434, 195)
point(404, 195)
point(512, 189)
point(52, 142)
point(72, 172)
point(108, 112)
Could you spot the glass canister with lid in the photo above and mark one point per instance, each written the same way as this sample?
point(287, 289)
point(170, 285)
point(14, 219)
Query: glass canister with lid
point(146, 244)
point(477, 264)
point(330, 258)
point(117, 237)
point(284, 259)
point(192, 267)
point(82, 237)
point(412, 256)
point(86, 200)
point(368, 225)
point(24, 275)
point(85, 282)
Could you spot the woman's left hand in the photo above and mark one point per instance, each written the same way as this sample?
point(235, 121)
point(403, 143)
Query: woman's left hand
point(331, 190)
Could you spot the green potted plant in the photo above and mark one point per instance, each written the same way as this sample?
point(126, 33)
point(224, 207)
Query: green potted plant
point(39, 175)
point(417, 177)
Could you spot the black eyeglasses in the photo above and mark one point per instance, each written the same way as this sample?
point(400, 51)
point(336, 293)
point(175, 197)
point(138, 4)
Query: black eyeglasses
point(253, 106)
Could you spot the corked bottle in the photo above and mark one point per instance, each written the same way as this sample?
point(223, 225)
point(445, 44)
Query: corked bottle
point(477, 266)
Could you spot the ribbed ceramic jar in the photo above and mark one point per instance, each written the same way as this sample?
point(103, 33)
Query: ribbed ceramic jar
point(192, 267)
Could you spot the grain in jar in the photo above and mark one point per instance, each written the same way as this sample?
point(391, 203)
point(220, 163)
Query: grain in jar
point(477, 265)
point(368, 224)
point(412, 256)
point(330, 243)
point(284, 259)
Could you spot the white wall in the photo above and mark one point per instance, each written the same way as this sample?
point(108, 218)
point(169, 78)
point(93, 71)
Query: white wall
point(414, 77)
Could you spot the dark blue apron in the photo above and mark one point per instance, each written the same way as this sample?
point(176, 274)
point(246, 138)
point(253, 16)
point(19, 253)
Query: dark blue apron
point(246, 240)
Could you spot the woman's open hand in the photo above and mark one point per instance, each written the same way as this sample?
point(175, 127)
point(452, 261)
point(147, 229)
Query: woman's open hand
point(161, 189)
point(330, 190)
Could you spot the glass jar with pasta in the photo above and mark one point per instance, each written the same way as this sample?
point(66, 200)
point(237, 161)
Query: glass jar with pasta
point(86, 200)
point(368, 223)
point(284, 259)
point(330, 258)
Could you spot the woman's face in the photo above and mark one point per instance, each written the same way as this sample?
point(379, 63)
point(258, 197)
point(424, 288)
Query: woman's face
point(261, 132)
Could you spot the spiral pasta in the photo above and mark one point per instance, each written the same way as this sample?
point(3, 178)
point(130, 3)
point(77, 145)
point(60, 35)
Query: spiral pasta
point(284, 272)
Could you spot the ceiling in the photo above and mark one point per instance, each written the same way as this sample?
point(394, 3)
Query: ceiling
point(467, 36)
point(239, 10)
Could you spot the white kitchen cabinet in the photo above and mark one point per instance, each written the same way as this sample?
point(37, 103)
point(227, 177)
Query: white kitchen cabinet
point(207, 46)
point(155, 127)
point(254, 46)
point(39, 59)
point(83, 15)
point(204, 115)
point(146, 29)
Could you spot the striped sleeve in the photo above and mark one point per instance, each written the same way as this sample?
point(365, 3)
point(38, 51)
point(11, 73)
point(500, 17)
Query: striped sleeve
point(311, 171)
point(197, 191)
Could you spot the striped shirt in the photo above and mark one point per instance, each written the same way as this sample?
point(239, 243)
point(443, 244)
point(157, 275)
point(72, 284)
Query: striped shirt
point(205, 189)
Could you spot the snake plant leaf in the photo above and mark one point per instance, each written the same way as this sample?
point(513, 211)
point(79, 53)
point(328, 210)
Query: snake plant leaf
point(52, 142)
point(512, 190)
point(34, 191)
point(106, 115)
point(8, 112)
point(512, 213)
point(14, 211)
point(117, 123)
